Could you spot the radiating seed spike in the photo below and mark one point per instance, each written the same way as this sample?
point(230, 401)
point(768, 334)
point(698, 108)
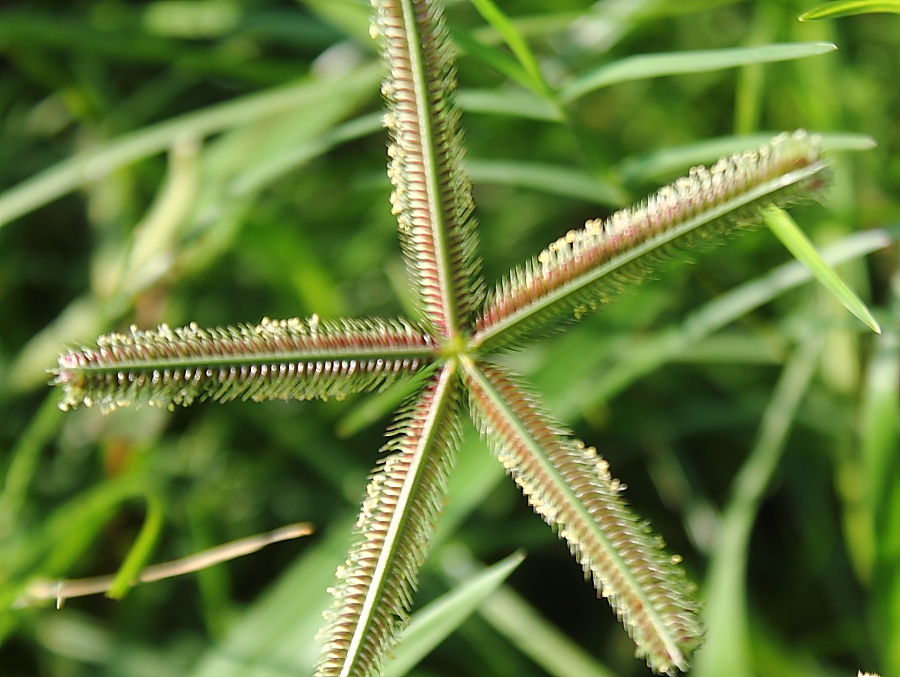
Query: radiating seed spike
point(287, 359)
point(432, 195)
point(587, 267)
point(571, 489)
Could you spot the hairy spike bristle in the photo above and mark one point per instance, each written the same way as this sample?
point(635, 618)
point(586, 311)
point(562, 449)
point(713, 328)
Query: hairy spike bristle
point(403, 500)
point(586, 267)
point(570, 487)
point(432, 196)
point(286, 359)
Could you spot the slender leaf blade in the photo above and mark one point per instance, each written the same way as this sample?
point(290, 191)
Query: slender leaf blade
point(666, 161)
point(796, 242)
point(430, 626)
point(516, 43)
point(834, 10)
point(727, 649)
point(644, 66)
point(103, 159)
point(570, 487)
point(547, 178)
point(141, 550)
point(502, 101)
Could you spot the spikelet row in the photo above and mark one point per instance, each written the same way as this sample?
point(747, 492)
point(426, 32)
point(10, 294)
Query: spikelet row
point(583, 268)
point(432, 195)
point(373, 592)
point(285, 359)
point(571, 488)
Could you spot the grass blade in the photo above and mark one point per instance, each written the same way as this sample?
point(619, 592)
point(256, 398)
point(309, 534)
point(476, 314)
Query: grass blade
point(646, 66)
point(796, 242)
point(558, 180)
point(492, 14)
point(141, 550)
point(726, 651)
point(644, 356)
point(100, 161)
point(851, 7)
point(502, 101)
point(523, 625)
point(430, 626)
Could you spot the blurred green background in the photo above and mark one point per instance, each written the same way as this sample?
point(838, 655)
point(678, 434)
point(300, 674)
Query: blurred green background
point(219, 161)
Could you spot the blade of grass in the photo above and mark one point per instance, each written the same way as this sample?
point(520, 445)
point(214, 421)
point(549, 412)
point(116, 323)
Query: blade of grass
point(796, 242)
point(100, 161)
point(644, 356)
point(264, 172)
point(273, 636)
point(503, 101)
point(500, 62)
point(526, 629)
point(141, 550)
point(726, 651)
point(24, 459)
point(492, 14)
point(430, 626)
point(880, 452)
point(641, 168)
point(557, 180)
point(851, 7)
point(645, 66)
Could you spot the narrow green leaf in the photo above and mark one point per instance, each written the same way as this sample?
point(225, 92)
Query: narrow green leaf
point(555, 179)
point(502, 101)
point(667, 161)
point(524, 626)
point(517, 44)
point(726, 651)
point(433, 623)
point(646, 66)
point(100, 161)
point(350, 16)
point(796, 242)
point(499, 61)
point(641, 356)
point(851, 7)
point(570, 487)
point(23, 459)
point(264, 172)
point(405, 495)
point(141, 550)
point(880, 456)
point(270, 632)
point(285, 359)
point(432, 195)
point(586, 268)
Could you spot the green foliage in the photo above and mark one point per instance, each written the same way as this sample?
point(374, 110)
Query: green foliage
point(233, 228)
